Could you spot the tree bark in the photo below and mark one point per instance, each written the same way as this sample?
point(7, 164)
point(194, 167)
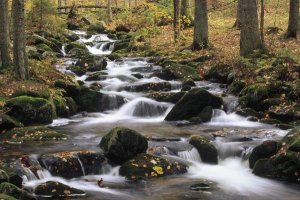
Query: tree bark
point(4, 33)
point(109, 10)
point(185, 9)
point(262, 21)
point(250, 36)
point(293, 19)
point(19, 39)
point(237, 23)
point(200, 25)
point(176, 23)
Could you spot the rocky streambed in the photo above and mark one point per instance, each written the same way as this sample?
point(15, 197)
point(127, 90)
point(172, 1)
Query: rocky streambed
point(131, 129)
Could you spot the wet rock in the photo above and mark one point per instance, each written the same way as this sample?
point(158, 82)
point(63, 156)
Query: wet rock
point(207, 151)
point(122, 28)
point(167, 96)
point(188, 82)
point(236, 87)
point(32, 133)
point(246, 112)
point(160, 86)
point(253, 95)
point(122, 144)
point(100, 63)
point(52, 189)
point(146, 166)
point(70, 35)
point(7, 123)
point(269, 121)
point(6, 197)
point(121, 45)
point(77, 52)
point(99, 27)
point(192, 104)
point(96, 76)
point(165, 74)
point(75, 45)
point(73, 164)
point(284, 126)
point(186, 88)
point(200, 187)
point(263, 151)
point(65, 107)
point(29, 110)
point(96, 86)
point(284, 114)
point(77, 70)
point(37, 40)
point(12, 190)
point(219, 73)
point(138, 75)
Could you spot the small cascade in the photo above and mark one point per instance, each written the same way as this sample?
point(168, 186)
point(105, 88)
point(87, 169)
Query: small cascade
point(176, 85)
point(43, 174)
point(228, 149)
point(115, 171)
point(192, 155)
point(63, 50)
point(82, 166)
point(246, 153)
point(28, 174)
point(112, 101)
point(144, 107)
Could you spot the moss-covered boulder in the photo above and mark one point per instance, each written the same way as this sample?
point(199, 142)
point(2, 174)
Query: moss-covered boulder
point(6, 197)
point(219, 73)
point(206, 149)
point(265, 150)
point(73, 164)
point(65, 106)
point(122, 144)
point(79, 71)
point(99, 27)
point(32, 133)
point(52, 189)
point(7, 123)
point(70, 35)
point(14, 191)
point(146, 166)
point(192, 104)
point(30, 110)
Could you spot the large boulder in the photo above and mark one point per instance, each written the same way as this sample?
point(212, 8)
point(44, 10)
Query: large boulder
point(29, 110)
point(99, 27)
point(265, 150)
point(70, 35)
point(52, 189)
point(7, 123)
point(73, 164)
point(146, 166)
point(122, 144)
point(207, 151)
point(192, 104)
point(32, 133)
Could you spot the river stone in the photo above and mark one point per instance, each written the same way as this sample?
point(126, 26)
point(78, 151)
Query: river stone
point(70, 35)
point(12, 190)
point(30, 110)
point(52, 189)
point(146, 87)
point(207, 151)
point(166, 96)
point(6, 197)
point(122, 144)
point(32, 133)
point(99, 64)
point(146, 166)
point(262, 151)
point(192, 104)
point(73, 164)
point(7, 123)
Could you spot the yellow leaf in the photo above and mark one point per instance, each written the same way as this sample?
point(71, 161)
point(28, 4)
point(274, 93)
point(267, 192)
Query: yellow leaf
point(158, 170)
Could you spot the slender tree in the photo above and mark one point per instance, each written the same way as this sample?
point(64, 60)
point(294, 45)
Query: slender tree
point(293, 19)
point(109, 10)
point(262, 21)
point(200, 25)
point(250, 35)
point(4, 39)
point(176, 23)
point(19, 39)
point(185, 10)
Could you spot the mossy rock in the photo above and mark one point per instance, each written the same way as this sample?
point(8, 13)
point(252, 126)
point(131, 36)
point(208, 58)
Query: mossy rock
point(122, 144)
point(167, 97)
point(77, 53)
point(76, 45)
point(183, 71)
point(236, 87)
point(43, 93)
point(33, 133)
point(7, 123)
point(263, 151)
point(253, 95)
point(30, 110)
point(43, 47)
point(79, 71)
point(65, 106)
point(207, 151)
point(145, 166)
point(192, 104)
point(219, 73)
point(14, 191)
point(6, 197)
point(52, 189)
point(99, 27)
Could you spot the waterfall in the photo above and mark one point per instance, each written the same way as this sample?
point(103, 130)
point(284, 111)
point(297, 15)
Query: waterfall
point(192, 155)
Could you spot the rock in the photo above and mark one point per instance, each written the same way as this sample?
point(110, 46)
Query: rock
point(73, 26)
point(45, 44)
point(97, 76)
point(99, 27)
point(263, 151)
point(186, 88)
point(75, 45)
point(206, 114)
point(65, 106)
point(219, 73)
point(284, 114)
point(6, 197)
point(253, 95)
point(207, 151)
point(200, 187)
point(32, 133)
point(167, 97)
point(70, 35)
point(122, 28)
point(29, 110)
point(246, 112)
point(122, 144)
point(138, 75)
point(121, 45)
point(146, 166)
point(73, 164)
point(269, 121)
point(188, 82)
point(77, 70)
point(236, 87)
point(192, 104)
point(7, 123)
point(52, 189)
point(14, 191)
point(284, 126)
point(146, 87)
point(100, 63)
point(77, 53)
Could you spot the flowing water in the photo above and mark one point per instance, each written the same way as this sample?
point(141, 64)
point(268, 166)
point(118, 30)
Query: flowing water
point(230, 179)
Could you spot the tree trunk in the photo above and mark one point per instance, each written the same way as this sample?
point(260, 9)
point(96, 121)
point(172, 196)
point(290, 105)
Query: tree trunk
point(4, 35)
point(262, 21)
point(109, 10)
point(250, 36)
point(19, 39)
point(237, 23)
point(200, 25)
point(293, 19)
point(185, 9)
point(176, 19)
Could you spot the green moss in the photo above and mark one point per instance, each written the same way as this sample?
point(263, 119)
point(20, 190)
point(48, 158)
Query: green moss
point(12, 190)
point(45, 93)
point(33, 133)
point(184, 71)
point(6, 197)
point(253, 95)
point(44, 47)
